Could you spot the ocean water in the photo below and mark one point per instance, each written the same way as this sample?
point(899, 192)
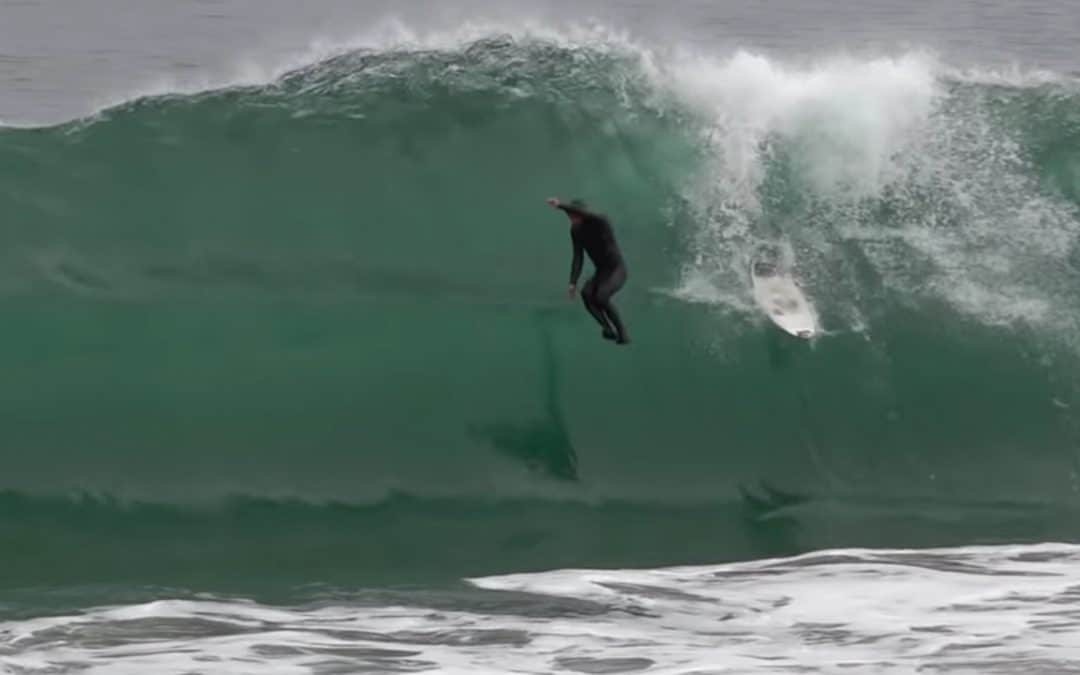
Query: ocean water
point(291, 386)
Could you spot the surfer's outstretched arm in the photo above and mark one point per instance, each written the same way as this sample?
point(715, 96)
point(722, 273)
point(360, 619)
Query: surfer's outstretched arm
point(573, 208)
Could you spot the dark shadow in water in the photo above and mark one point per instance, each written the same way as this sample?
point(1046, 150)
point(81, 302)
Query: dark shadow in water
point(543, 444)
point(770, 518)
point(768, 499)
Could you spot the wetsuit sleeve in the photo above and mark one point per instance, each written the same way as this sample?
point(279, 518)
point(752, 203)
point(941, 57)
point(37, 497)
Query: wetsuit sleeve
point(568, 209)
point(575, 265)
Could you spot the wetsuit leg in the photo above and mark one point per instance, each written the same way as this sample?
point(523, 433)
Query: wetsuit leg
point(605, 287)
point(588, 296)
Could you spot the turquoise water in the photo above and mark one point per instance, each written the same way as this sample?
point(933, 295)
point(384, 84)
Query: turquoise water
point(325, 313)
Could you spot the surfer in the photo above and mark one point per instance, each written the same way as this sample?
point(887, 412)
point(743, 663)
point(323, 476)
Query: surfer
point(592, 233)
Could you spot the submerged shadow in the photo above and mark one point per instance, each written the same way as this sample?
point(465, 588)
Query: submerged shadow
point(542, 444)
point(767, 500)
point(770, 518)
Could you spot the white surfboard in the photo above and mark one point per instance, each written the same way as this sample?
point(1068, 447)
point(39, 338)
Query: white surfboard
point(782, 301)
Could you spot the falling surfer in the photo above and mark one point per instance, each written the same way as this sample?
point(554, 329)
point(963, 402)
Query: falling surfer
point(592, 233)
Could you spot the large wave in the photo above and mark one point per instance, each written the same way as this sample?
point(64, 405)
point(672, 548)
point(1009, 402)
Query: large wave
point(342, 284)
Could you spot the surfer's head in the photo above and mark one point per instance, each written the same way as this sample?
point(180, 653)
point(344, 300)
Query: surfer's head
point(575, 209)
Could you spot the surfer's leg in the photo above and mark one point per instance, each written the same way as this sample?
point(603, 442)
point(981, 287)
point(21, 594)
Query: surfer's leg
point(605, 288)
point(588, 296)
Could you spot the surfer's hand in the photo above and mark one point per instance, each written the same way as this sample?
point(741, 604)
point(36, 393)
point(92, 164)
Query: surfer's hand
point(553, 202)
point(571, 292)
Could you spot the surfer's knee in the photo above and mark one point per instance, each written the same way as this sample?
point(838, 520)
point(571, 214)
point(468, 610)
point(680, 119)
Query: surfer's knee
point(609, 285)
point(603, 294)
point(588, 294)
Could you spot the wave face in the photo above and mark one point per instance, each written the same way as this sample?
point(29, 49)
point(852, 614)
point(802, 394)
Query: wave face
point(324, 313)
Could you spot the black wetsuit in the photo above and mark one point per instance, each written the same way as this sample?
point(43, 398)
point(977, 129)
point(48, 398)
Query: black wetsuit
point(594, 236)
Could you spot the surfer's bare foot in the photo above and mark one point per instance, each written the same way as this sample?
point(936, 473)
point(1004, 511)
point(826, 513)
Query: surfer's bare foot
point(608, 334)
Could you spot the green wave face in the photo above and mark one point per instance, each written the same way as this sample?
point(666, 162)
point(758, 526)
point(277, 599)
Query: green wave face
point(339, 297)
